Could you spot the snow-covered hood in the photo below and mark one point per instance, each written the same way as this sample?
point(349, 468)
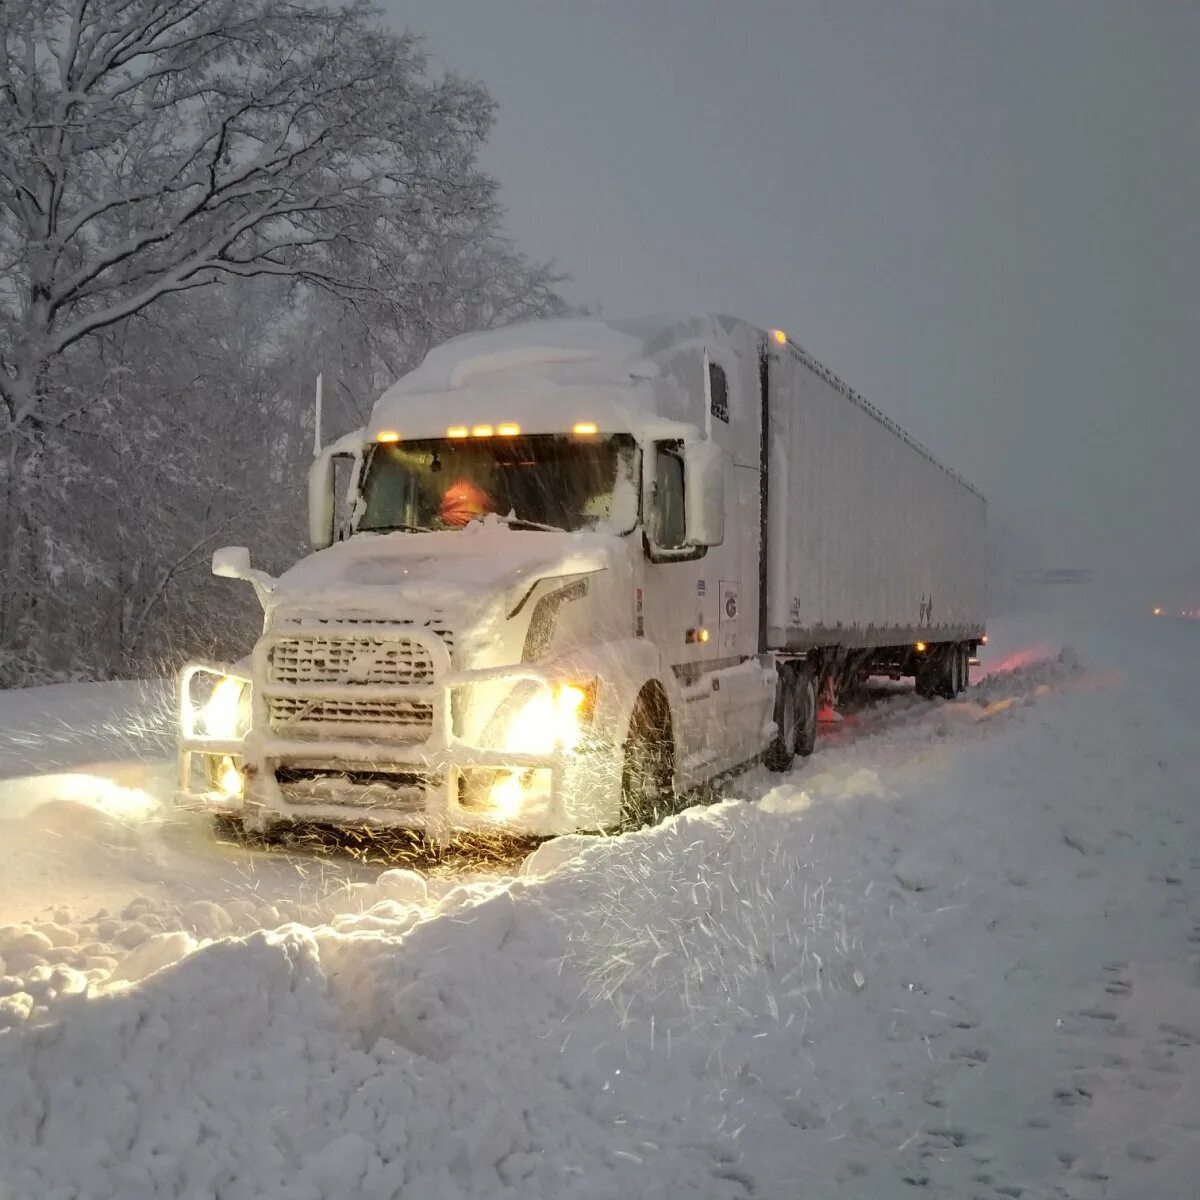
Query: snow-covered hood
point(403, 575)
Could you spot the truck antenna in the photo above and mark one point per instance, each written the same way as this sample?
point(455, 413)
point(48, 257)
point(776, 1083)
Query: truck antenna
point(317, 420)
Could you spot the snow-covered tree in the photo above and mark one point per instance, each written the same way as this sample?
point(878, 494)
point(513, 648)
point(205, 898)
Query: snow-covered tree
point(155, 154)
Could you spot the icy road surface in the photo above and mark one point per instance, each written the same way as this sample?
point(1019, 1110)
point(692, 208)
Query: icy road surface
point(956, 954)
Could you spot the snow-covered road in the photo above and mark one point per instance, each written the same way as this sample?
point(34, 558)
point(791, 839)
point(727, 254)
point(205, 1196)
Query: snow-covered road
point(956, 953)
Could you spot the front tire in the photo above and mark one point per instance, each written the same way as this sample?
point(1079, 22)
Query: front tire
point(648, 775)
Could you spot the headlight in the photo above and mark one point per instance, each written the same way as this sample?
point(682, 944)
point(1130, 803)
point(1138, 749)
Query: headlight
point(546, 722)
point(224, 715)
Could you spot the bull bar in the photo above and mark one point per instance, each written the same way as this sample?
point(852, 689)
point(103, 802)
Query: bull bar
point(439, 755)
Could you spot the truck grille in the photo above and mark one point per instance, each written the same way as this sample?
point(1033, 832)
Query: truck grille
point(400, 718)
point(330, 659)
point(319, 658)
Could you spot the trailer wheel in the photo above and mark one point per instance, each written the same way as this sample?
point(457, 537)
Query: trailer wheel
point(925, 681)
point(964, 677)
point(959, 668)
point(648, 776)
point(946, 673)
point(938, 675)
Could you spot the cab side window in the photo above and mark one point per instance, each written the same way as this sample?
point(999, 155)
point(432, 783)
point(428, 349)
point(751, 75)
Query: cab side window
point(718, 392)
point(669, 521)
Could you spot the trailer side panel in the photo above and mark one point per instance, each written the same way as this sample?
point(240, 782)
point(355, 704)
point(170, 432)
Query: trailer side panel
point(871, 541)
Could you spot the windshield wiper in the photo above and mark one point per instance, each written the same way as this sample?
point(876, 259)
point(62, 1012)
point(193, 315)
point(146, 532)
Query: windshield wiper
point(521, 523)
point(392, 528)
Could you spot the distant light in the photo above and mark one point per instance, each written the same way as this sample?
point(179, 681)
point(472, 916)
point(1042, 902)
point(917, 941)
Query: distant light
point(508, 429)
point(779, 336)
point(457, 431)
point(983, 640)
point(1158, 612)
point(585, 428)
point(482, 431)
point(387, 435)
point(920, 647)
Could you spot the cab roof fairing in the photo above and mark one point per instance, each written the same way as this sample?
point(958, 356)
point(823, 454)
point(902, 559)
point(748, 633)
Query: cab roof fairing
point(547, 375)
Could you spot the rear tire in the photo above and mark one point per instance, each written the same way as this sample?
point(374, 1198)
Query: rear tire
point(648, 775)
point(925, 681)
point(938, 675)
point(806, 736)
point(947, 673)
point(781, 752)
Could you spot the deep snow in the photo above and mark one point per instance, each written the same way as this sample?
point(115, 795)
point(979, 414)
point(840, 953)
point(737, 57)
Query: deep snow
point(956, 953)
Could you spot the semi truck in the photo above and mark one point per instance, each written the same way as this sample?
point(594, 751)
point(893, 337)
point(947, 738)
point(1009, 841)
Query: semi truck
point(573, 569)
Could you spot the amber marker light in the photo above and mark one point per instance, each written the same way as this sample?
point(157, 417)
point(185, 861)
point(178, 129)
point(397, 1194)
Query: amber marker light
point(920, 647)
point(457, 431)
point(779, 336)
point(482, 430)
point(387, 435)
point(585, 428)
point(508, 429)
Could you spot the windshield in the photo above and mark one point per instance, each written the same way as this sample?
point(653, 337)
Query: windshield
point(546, 481)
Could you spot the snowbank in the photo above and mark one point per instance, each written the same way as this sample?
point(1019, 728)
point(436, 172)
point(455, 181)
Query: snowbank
point(957, 951)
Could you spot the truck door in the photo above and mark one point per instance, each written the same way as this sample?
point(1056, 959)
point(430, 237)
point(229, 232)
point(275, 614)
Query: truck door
point(698, 615)
point(681, 614)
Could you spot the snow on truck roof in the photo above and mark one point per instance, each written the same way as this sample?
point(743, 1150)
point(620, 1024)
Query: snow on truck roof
point(611, 371)
point(544, 357)
point(588, 349)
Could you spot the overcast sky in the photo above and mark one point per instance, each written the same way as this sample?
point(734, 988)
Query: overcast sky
point(984, 216)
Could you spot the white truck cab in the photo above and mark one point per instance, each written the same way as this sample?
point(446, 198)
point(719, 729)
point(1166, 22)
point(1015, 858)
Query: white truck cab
point(538, 608)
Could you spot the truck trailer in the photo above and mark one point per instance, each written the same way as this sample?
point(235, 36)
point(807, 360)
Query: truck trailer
point(573, 569)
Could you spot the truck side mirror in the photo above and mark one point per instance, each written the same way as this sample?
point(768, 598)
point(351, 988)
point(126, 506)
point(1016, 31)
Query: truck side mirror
point(231, 562)
point(320, 500)
point(704, 493)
